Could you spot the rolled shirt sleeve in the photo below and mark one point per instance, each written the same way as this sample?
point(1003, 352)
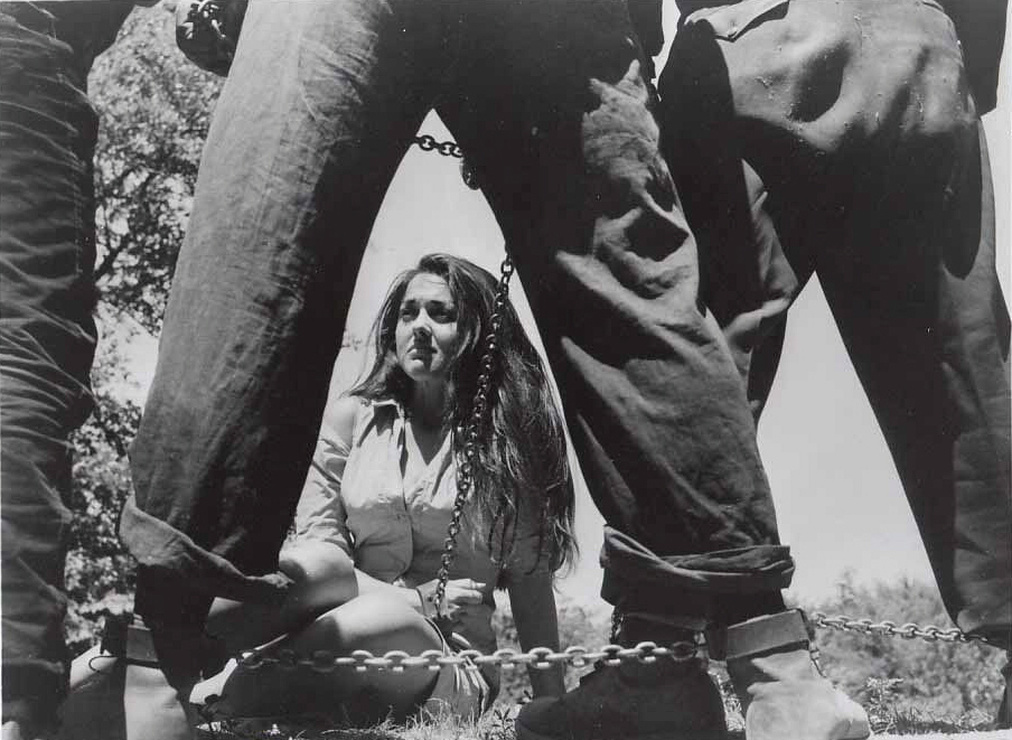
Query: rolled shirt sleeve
point(321, 515)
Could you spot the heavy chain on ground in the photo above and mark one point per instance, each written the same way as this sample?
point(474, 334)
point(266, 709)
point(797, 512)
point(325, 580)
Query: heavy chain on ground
point(577, 655)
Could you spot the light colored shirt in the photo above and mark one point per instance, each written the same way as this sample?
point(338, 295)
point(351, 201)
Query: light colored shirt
point(356, 498)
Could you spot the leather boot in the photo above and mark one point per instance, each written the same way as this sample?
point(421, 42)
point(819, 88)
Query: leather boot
point(663, 700)
point(783, 694)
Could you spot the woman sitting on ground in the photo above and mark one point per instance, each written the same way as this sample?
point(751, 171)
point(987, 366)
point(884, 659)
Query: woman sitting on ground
point(373, 517)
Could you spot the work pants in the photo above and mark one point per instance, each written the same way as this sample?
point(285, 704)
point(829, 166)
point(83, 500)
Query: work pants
point(841, 139)
point(47, 335)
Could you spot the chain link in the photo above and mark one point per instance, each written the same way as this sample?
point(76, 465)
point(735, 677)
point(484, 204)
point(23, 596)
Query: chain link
point(908, 631)
point(468, 173)
point(541, 658)
point(429, 143)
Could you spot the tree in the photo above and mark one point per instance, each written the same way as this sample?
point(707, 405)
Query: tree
point(154, 108)
point(99, 572)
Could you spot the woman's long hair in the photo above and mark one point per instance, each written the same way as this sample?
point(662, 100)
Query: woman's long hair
point(521, 470)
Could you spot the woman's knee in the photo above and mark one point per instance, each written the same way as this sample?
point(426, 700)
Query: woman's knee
point(378, 623)
point(324, 576)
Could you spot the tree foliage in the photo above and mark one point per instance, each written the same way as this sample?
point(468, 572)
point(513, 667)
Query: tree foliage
point(99, 572)
point(154, 108)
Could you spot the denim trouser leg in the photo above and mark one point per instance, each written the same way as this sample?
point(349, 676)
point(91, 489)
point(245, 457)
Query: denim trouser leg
point(899, 225)
point(547, 99)
point(47, 340)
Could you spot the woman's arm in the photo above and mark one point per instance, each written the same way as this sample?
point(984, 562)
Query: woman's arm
point(532, 598)
point(328, 577)
point(319, 557)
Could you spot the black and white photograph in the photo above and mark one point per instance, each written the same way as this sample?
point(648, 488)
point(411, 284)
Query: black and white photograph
point(505, 369)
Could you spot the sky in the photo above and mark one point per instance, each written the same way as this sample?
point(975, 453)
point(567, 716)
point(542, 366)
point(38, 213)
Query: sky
point(839, 502)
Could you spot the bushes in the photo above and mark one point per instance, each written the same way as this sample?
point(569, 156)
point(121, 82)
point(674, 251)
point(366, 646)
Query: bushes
point(99, 572)
point(910, 684)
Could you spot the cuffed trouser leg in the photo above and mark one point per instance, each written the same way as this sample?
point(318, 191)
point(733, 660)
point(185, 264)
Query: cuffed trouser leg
point(47, 340)
point(898, 223)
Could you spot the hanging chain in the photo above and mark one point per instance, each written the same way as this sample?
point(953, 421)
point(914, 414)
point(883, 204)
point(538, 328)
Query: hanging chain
point(472, 436)
point(428, 143)
point(908, 631)
point(468, 173)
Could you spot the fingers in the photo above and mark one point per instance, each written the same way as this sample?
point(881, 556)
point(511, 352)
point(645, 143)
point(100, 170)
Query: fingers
point(465, 591)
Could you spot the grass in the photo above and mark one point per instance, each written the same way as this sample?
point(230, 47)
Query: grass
point(495, 725)
point(882, 698)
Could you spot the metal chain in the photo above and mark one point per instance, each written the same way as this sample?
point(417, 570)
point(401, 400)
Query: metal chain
point(908, 631)
point(541, 658)
point(468, 173)
point(428, 143)
point(465, 470)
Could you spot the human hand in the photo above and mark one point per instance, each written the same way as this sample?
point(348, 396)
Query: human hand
point(460, 593)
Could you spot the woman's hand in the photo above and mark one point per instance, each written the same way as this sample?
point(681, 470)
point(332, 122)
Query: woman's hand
point(459, 595)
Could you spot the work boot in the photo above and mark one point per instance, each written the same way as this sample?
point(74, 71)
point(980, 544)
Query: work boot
point(783, 694)
point(663, 700)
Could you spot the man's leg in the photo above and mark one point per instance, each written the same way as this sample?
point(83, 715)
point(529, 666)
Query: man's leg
point(566, 150)
point(321, 102)
point(902, 237)
point(898, 222)
point(561, 136)
point(47, 341)
point(933, 359)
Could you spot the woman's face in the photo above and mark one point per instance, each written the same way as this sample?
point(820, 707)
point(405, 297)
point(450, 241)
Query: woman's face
point(426, 337)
